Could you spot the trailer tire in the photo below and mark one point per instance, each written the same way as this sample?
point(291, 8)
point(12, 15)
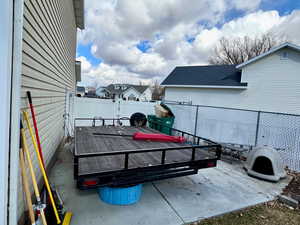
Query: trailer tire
point(138, 120)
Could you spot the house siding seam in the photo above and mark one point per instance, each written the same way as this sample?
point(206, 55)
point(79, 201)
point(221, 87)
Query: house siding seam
point(48, 70)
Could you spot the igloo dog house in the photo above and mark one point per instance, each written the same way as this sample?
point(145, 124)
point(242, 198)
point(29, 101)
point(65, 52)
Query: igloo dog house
point(265, 163)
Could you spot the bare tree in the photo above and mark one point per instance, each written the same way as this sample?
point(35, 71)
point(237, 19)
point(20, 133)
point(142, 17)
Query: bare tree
point(239, 50)
point(157, 91)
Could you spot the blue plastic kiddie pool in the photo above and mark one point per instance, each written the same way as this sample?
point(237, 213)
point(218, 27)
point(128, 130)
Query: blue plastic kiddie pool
point(120, 195)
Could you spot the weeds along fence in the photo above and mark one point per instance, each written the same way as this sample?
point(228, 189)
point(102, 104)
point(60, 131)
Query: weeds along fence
point(243, 127)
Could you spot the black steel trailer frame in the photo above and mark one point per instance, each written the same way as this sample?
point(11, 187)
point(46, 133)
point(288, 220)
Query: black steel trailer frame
point(132, 176)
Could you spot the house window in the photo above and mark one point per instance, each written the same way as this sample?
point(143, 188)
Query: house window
point(284, 56)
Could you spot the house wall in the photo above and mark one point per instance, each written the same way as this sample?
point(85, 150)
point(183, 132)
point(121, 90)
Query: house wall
point(147, 95)
point(131, 91)
point(273, 85)
point(204, 96)
point(100, 91)
point(48, 70)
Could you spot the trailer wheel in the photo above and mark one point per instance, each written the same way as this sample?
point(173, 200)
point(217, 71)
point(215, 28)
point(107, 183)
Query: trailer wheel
point(138, 120)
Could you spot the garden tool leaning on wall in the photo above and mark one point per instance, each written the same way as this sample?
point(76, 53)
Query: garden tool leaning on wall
point(59, 215)
point(39, 206)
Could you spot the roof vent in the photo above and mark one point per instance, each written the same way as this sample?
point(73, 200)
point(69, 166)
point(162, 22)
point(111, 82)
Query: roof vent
point(265, 163)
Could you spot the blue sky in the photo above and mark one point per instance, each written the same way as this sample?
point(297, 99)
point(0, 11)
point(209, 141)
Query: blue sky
point(85, 50)
point(138, 41)
point(282, 6)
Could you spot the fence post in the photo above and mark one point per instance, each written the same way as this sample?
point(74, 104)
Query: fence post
point(257, 127)
point(196, 121)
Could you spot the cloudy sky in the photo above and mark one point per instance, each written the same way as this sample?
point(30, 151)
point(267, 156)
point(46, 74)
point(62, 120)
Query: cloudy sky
point(136, 41)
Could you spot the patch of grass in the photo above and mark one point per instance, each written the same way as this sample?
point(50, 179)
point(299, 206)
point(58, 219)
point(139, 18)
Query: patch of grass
point(272, 213)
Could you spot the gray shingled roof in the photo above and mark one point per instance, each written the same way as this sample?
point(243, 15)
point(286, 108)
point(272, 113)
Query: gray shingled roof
point(213, 75)
point(140, 88)
point(112, 90)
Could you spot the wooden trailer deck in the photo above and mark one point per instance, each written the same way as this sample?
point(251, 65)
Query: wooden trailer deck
point(107, 160)
point(87, 142)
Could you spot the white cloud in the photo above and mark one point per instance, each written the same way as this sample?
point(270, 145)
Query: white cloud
point(149, 65)
point(115, 27)
point(252, 25)
point(105, 74)
point(289, 27)
point(85, 64)
point(116, 53)
point(245, 5)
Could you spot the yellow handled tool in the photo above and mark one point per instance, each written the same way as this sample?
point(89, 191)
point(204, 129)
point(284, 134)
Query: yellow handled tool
point(67, 219)
point(26, 188)
point(33, 177)
point(25, 114)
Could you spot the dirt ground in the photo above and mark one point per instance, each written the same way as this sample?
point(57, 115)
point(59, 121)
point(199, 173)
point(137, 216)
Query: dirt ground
point(271, 213)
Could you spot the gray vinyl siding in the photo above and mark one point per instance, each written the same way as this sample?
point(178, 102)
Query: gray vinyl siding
point(48, 70)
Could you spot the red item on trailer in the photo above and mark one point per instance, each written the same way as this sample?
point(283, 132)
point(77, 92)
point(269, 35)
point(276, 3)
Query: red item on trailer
point(35, 127)
point(157, 137)
point(140, 136)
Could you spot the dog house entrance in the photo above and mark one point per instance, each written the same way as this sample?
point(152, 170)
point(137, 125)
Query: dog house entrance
point(263, 165)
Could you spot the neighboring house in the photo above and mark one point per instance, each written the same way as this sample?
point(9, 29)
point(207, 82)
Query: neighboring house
point(129, 92)
point(89, 89)
point(146, 94)
point(269, 82)
point(101, 92)
point(80, 91)
point(43, 48)
point(91, 94)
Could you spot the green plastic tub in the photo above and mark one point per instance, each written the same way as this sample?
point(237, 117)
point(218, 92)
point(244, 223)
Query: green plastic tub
point(161, 124)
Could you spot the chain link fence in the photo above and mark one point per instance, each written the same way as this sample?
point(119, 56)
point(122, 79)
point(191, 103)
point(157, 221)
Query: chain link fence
point(281, 131)
point(242, 127)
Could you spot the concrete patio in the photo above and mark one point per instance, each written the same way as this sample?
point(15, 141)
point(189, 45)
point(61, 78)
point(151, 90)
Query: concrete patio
point(175, 201)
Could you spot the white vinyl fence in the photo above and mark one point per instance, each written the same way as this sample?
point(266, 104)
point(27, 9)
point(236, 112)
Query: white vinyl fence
point(106, 108)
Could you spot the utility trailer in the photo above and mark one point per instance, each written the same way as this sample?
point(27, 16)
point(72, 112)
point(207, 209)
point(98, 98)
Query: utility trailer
point(115, 161)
